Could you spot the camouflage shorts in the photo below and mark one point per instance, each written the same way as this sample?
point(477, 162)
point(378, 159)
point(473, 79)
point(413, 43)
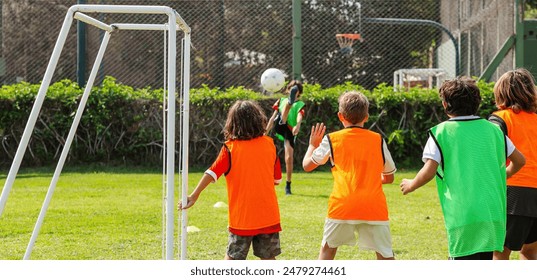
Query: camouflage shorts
point(266, 246)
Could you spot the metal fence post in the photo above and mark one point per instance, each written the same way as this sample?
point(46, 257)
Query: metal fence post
point(519, 32)
point(297, 40)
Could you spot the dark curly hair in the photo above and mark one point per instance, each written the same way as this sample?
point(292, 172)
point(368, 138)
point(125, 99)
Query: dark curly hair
point(461, 96)
point(245, 121)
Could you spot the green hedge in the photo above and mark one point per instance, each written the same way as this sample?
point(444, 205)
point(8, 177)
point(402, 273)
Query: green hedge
point(122, 125)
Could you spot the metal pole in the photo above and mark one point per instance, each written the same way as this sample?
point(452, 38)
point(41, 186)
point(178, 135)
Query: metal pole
point(403, 21)
point(185, 132)
point(184, 141)
point(219, 79)
point(100, 75)
point(297, 40)
point(81, 51)
point(170, 149)
point(97, 23)
point(135, 26)
point(35, 110)
point(519, 33)
point(68, 142)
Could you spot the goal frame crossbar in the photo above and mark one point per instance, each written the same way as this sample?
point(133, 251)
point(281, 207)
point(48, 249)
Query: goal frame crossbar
point(175, 23)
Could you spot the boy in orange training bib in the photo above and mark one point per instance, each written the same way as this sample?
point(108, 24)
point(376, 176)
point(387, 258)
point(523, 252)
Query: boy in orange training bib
point(361, 163)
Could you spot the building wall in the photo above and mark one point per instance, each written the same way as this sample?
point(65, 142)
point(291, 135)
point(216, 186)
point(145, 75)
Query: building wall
point(481, 28)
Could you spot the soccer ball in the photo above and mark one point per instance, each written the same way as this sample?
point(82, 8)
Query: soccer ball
point(272, 80)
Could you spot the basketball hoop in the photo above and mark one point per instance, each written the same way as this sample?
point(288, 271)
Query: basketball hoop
point(346, 41)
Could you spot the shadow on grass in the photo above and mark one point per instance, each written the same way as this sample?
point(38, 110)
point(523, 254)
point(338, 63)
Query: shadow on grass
point(29, 175)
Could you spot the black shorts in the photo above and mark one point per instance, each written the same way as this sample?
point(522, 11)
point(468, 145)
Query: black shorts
point(476, 256)
point(284, 130)
point(520, 230)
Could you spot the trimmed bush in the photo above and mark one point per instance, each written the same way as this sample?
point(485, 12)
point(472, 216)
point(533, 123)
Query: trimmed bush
point(123, 125)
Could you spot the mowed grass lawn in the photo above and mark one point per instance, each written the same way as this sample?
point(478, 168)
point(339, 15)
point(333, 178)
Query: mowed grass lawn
point(116, 214)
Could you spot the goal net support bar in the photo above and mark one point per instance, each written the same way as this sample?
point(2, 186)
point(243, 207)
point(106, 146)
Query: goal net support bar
point(175, 23)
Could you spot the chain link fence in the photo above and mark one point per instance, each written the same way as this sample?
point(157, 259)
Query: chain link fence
point(234, 41)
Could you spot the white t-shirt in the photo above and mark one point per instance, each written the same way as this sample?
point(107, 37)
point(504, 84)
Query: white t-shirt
point(431, 150)
point(322, 153)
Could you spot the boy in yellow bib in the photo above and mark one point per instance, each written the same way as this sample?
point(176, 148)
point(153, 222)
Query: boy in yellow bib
point(361, 163)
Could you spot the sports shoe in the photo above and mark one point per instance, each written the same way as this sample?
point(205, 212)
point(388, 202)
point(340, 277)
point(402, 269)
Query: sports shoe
point(288, 189)
point(292, 95)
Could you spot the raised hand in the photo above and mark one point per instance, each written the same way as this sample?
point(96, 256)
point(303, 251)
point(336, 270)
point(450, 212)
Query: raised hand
point(317, 133)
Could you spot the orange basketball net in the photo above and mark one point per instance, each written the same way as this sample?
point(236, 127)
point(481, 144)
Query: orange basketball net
point(346, 40)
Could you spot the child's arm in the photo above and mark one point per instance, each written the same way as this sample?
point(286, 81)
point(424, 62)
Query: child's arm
point(517, 161)
point(389, 166)
point(425, 175)
point(387, 178)
point(270, 122)
point(299, 119)
point(193, 197)
point(316, 136)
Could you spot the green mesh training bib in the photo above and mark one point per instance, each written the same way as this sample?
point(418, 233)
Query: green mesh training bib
point(293, 112)
point(471, 183)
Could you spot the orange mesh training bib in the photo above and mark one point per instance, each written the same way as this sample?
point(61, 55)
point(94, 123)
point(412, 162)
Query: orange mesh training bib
point(522, 130)
point(358, 164)
point(250, 184)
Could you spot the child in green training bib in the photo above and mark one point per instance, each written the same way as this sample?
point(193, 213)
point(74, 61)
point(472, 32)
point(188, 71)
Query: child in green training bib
point(468, 156)
point(286, 119)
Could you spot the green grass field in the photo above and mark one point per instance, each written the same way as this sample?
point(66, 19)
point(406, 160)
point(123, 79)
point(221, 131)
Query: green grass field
point(116, 214)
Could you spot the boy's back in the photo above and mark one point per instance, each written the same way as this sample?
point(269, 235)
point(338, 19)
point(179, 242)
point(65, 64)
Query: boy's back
point(467, 156)
point(361, 163)
point(471, 184)
point(357, 162)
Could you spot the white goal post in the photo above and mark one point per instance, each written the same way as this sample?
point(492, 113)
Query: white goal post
point(174, 24)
